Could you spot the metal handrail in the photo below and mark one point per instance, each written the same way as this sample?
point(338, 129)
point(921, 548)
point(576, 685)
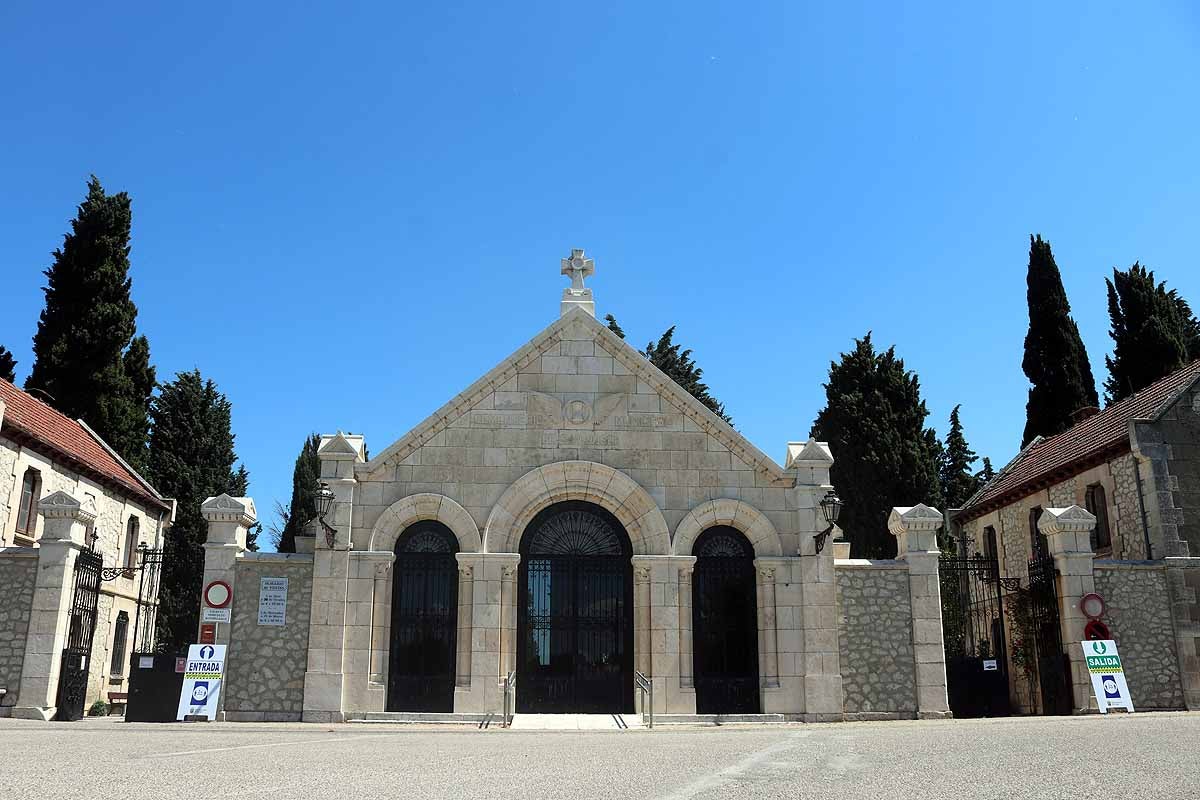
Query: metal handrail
point(646, 687)
point(509, 681)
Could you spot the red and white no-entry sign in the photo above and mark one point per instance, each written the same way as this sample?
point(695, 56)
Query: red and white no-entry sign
point(217, 594)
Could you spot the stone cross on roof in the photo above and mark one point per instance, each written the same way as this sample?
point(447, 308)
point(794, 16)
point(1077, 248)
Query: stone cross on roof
point(578, 266)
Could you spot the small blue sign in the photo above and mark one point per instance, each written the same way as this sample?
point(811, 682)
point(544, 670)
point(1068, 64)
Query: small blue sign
point(206, 652)
point(200, 694)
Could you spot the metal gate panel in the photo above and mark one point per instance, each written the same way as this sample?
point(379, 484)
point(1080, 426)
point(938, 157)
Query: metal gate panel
point(973, 633)
point(76, 656)
point(424, 628)
point(1053, 670)
point(575, 632)
point(725, 624)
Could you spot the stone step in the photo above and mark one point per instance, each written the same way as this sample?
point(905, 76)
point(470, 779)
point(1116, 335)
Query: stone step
point(421, 717)
point(576, 722)
point(719, 719)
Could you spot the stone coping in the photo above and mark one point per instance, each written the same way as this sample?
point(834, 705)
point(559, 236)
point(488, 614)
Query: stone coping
point(867, 563)
point(304, 558)
point(18, 552)
point(1104, 563)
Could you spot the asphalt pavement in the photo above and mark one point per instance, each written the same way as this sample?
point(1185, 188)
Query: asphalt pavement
point(1102, 758)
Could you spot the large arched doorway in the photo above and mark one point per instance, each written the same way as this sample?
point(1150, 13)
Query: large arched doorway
point(725, 623)
point(575, 627)
point(424, 619)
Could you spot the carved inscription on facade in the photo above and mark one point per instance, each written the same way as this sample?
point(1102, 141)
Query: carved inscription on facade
point(608, 412)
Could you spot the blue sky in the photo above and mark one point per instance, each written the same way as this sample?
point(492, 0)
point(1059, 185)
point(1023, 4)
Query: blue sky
point(344, 213)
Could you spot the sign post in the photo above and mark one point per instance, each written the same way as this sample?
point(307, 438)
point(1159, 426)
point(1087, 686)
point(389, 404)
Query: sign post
point(202, 681)
point(1107, 674)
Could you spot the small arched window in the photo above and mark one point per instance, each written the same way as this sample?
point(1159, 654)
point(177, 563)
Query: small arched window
point(31, 490)
point(1096, 502)
point(131, 543)
point(1038, 547)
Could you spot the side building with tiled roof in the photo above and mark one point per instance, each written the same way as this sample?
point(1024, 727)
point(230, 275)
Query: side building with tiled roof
point(45, 454)
point(1136, 467)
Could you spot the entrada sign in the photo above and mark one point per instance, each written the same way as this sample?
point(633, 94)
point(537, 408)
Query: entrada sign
point(202, 681)
point(1108, 675)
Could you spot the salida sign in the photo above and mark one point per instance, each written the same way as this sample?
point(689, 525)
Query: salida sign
point(1108, 675)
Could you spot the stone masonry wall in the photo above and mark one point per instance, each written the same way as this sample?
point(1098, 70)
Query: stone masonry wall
point(8, 482)
point(878, 664)
point(1139, 616)
point(18, 570)
point(266, 662)
point(1180, 427)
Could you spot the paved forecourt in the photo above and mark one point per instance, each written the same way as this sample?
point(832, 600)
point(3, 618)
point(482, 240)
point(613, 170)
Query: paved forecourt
point(1139, 756)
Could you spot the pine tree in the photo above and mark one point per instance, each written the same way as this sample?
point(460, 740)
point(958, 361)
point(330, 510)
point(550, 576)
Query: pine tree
point(679, 367)
point(613, 326)
point(191, 458)
point(986, 474)
point(86, 329)
point(1055, 361)
point(874, 421)
point(957, 478)
point(303, 508)
point(1153, 330)
point(8, 365)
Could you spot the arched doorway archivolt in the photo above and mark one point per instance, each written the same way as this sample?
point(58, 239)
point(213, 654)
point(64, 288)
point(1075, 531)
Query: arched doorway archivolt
point(752, 523)
point(418, 508)
point(588, 481)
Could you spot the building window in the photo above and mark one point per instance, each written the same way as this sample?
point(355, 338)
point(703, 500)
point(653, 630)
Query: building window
point(120, 633)
point(1038, 547)
point(131, 543)
point(990, 550)
point(1096, 502)
point(31, 490)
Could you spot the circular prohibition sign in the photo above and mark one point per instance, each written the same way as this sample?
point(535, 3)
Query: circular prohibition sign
point(217, 594)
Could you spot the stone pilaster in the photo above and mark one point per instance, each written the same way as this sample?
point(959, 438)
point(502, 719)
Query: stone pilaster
point(660, 603)
point(819, 658)
point(368, 623)
point(915, 529)
point(65, 526)
point(768, 628)
point(324, 681)
point(487, 647)
point(1068, 532)
point(229, 520)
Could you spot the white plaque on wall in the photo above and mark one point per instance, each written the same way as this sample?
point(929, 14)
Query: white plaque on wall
point(272, 601)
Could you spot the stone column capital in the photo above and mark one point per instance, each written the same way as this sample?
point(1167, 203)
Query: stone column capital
point(915, 529)
point(1067, 530)
point(61, 505)
point(224, 508)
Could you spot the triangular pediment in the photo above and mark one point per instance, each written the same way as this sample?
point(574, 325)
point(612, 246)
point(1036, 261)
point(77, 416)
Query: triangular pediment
point(588, 408)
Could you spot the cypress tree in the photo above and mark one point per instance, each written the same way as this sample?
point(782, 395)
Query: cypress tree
point(191, 458)
point(8, 365)
point(874, 421)
point(1153, 330)
point(987, 473)
point(303, 508)
point(678, 365)
point(1055, 361)
point(957, 478)
point(86, 330)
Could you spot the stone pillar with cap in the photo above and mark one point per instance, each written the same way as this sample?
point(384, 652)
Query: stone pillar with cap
point(325, 676)
point(818, 659)
point(64, 535)
point(229, 520)
point(915, 529)
point(1068, 533)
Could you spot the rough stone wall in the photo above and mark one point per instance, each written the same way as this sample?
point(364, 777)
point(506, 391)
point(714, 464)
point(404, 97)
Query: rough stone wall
point(99, 662)
point(1180, 430)
point(1064, 494)
point(267, 663)
point(1014, 533)
point(878, 663)
point(575, 401)
point(18, 571)
point(1129, 543)
point(1139, 615)
point(8, 485)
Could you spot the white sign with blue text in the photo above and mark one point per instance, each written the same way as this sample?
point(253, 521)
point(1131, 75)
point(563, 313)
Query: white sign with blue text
point(1108, 675)
point(202, 681)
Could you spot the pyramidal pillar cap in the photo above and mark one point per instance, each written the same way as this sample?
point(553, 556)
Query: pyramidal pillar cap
point(577, 266)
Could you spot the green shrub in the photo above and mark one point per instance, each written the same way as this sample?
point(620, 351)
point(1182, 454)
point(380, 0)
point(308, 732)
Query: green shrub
point(98, 709)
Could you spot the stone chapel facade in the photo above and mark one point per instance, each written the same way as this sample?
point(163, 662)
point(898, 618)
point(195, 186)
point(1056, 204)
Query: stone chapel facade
point(569, 519)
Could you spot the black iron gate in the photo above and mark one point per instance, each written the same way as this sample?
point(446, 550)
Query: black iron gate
point(424, 620)
point(1053, 670)
point(76, 656)
point(575, 630)
point(973, 632)
point(725, 624)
